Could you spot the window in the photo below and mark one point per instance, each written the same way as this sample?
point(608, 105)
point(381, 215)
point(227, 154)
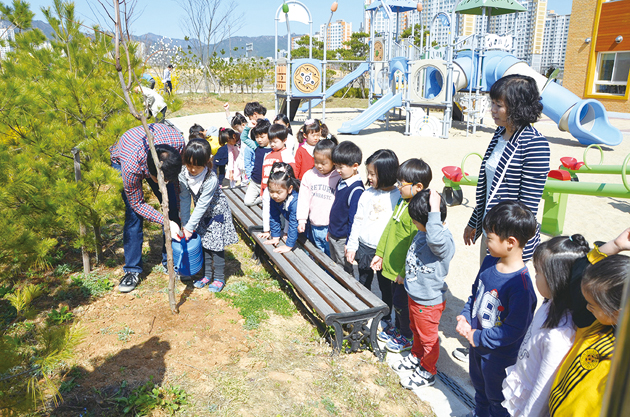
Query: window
point(612, 73)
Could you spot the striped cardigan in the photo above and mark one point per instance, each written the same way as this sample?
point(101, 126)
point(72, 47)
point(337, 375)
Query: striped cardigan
point(520, 175)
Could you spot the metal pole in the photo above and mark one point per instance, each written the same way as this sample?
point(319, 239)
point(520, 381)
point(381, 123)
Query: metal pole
point(289, 66)
point(275, 61)
point(324, 74)
point(373, 80)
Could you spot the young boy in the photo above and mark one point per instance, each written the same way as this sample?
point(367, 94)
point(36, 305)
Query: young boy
point(261, 133)
point(414, 175)
point(501, 307)
point(426, 268)
point(347, 158)
point(253, 111)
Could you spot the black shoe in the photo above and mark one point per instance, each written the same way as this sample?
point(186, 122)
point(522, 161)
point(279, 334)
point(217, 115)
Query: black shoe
point(129, 282)
point(461, 354)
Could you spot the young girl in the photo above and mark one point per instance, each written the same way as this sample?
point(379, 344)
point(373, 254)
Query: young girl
point(374, 210)
point(234, 163)
point(291, 143)
point(211, 218)
point(550, 336)
point(318, 194)
point(221, 157)
point(308, 136)
point(579, 386)
point(283, 189)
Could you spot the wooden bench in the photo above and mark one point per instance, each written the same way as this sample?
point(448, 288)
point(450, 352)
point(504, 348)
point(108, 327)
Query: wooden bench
point(336, 296)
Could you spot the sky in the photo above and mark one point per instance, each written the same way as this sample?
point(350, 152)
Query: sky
point(167, 18)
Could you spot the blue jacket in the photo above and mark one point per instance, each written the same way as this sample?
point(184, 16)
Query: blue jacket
point(500, 308)
point(248, 157)
point(288, 209)
point(520, 175)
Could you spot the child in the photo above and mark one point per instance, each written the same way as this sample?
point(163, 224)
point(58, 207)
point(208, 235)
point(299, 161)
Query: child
point(414, 175)
point(234, 164)
point(279, 153)
point(550, 336)
point(347, 158)
point(580, 383)
point(283, 120)
point(375, 207)
point(239, 123)
point(261, 132)
point(283, 190)
point(198, 132)
point(211, 218)
point(308, 136)
point(277, 135)
point(502, 304)
point(317, 195)
point(426, 268)
point(254, 111)
point(221, 157)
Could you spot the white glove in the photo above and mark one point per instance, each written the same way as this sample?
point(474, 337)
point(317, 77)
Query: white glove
point(174, 231)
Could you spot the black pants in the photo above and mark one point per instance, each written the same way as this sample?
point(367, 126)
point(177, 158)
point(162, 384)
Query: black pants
point(168, 87)
point(214, 265)
point(363, 257)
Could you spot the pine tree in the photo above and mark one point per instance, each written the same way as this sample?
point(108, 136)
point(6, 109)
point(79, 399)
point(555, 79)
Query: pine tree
point(57, 97)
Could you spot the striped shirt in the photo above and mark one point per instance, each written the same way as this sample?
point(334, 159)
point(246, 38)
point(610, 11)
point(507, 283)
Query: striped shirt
point(520, 175)
point(130, 152)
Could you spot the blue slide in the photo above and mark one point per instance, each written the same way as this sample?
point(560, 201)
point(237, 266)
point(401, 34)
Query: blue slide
point(361, 69)
point(371, 114)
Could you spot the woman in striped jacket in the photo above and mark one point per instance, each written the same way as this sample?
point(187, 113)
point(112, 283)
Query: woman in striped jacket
point(516, 163)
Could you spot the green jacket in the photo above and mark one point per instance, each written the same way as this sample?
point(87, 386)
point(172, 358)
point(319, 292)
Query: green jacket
point(395, 241)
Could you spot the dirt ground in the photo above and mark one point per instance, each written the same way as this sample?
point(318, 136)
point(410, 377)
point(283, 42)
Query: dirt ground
point(282, 367)
point(193, 103)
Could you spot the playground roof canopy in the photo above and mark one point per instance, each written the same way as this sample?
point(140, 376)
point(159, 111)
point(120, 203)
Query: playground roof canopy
point(493, 7)
point(397, 6)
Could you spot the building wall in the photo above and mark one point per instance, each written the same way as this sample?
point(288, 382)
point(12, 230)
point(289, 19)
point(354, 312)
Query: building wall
point(555, 41)
point(581, 57)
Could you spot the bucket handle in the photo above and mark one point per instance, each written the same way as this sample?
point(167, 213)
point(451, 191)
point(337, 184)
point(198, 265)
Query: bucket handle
point(184, 253)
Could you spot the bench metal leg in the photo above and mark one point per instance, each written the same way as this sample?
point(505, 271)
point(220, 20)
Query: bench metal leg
point(338, 341)
point(358, 332)
point(373, 339)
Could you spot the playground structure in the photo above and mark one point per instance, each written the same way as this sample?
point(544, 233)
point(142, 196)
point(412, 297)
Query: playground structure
point(560, 183)
point(417, 79)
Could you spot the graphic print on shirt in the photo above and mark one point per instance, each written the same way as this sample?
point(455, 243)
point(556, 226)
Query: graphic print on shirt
point(413, 269)
point(488, 307)
point(376, 209)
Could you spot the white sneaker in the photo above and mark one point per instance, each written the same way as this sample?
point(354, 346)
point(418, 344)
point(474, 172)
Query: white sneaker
point(461, 354)
point(408, 363)
point(129, 282)
point(420, 378)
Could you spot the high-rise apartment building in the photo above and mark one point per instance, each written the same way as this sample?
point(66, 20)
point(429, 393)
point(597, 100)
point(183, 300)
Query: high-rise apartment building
point(338, 33)
point(555, 40)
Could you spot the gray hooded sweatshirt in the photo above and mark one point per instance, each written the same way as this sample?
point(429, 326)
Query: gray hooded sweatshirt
point(427, 263)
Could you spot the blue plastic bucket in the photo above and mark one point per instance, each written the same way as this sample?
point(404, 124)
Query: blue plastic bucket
point(188, 255)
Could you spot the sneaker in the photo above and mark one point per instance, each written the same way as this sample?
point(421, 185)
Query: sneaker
point(461, 354)
point(399, 344)
point(419, 379)
point(408, 363)
point(388, 333)
point(216, 286)
point(129, 282)
point(202, 282)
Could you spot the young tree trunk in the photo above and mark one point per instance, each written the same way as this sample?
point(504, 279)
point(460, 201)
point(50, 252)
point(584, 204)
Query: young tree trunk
point(126, 87)
point(82, 229)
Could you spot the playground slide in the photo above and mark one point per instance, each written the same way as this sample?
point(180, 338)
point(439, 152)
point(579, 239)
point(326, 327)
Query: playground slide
point(585, 119)
point(371, 114)
point(361, 69)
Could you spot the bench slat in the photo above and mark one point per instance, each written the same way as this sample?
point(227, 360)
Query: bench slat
point(347, 296)
point(348, 281)
point(313, 298)
point(366, 295)
point(318, 284)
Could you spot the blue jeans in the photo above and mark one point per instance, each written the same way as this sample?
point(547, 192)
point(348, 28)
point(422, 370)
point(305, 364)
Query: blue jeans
point(318, 237)
point(132, 230)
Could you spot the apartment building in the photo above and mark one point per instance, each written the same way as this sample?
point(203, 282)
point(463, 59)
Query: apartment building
point(338, 32)
point(555, 41)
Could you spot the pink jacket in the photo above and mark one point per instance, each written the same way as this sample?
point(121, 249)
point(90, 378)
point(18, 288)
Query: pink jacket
point(316, 197)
